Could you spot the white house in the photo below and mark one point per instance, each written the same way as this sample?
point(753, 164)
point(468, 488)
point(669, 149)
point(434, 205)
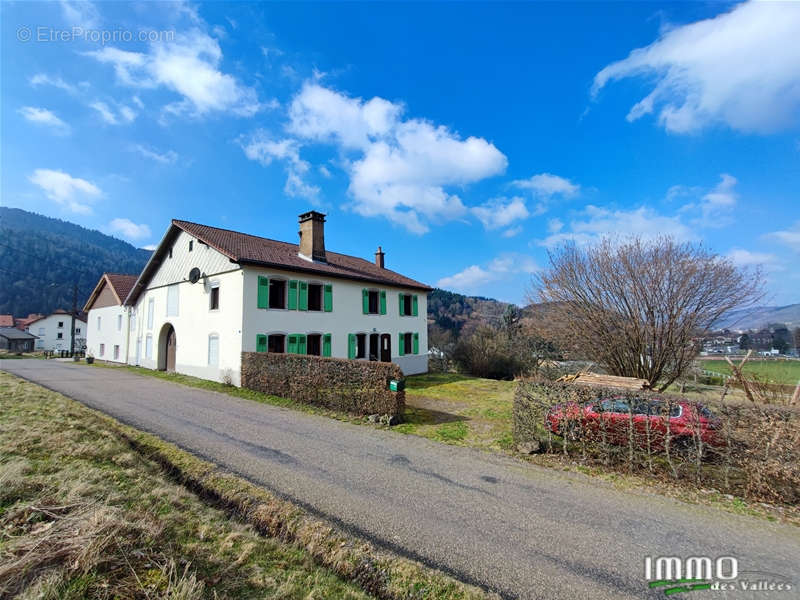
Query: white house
point(208, 294)
point(54, 331)
point(109, 321)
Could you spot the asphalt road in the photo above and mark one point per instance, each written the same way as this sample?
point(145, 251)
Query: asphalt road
point(520, 530)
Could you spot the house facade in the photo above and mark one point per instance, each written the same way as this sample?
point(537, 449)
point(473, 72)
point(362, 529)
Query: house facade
point(54, 331)
point(208, 294)
point(14, 340)
point(109, 321)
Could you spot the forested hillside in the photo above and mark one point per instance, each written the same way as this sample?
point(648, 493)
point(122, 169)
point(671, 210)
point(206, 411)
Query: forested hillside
point(451, 311)
point(42, 258)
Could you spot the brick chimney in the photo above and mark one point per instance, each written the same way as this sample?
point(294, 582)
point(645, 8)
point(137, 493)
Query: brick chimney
point(312, 235)
point(379, 257)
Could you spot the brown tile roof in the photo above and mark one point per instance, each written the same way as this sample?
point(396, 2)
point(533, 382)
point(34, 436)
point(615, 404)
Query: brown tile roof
point(122, 284)
point(24, 322)
point(6, 320)
point(254, 250)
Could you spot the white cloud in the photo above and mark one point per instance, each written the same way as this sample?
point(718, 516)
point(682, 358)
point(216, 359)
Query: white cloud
point(512, 232)
point(324, 171)
point(715, 208)
point(65, 189)
point(122, 114)
point(42, 116)
point(150, 247)
point(500, 212)
point(596, 222)
point(547, 185)
point(745, 258)
point(41, 79)
point(80, 13)
point(260, 147)
point(474, 277)
point(740, 68)
point(399, 168)
point(165, 158)
point(789, 237)
point(190, 67)
point(129, 229)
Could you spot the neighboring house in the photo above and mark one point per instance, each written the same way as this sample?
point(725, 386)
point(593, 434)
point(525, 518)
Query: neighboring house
point(23, 322)
point(7, 321)
point(207, 294)
point(109, 321)
point(54, 331)
point(14, 340)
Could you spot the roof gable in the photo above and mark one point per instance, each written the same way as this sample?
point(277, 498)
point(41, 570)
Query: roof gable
point(117, 283)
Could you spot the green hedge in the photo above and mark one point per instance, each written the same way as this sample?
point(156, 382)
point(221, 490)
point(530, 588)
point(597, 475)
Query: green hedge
point(351, 386)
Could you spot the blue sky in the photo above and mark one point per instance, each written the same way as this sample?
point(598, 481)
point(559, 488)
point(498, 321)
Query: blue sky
point(465, 138)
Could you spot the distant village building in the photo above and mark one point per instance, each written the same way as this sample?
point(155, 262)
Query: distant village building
point(14, 340)
point(208, 294)
point(54, 331)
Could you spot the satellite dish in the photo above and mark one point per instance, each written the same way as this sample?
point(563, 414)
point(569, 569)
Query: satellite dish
point(194, 275)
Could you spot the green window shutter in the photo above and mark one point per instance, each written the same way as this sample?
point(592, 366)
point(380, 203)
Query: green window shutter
point(400, 302)
point(292, 305)
point(351, 345)
point(383, 302)
point(301, 344)
point(328, 297)
point(365, 300)
point(416, 343)
point(261, 343)
point(263, 291)
point(291, 344)
point(326, 344)
point(401, 347)
point(303, 300)
point(414, 305)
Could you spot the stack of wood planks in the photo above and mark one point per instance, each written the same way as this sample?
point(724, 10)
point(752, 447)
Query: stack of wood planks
point(595, 379)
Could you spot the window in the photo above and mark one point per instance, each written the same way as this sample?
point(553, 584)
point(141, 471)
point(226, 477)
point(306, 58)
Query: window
point(191, 245)
point(98, 323)
point(77, 330)
point(276, 343)
point(102, 349)
point(213, 350)
point(296, 343)
point(374, 302)
point(361, 345)
point(408, 305)
point(119, 322)
point(41, 329)
point(315, 296)
point(133, 320)
point(170, 252)
point(314, 344)
point(116, 352)
point(172, 300)
point(409, 343)
point(60, 336)
point(150, 309)
point(374, 346)
point(60, 324)
point(148, 346)
point(277, 293)
point(213, 300)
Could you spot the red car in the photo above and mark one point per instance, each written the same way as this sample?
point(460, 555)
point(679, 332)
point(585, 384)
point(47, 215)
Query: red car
point(611, 419)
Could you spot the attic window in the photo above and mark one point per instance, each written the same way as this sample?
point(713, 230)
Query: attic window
point(170, 252)
point(191, 245)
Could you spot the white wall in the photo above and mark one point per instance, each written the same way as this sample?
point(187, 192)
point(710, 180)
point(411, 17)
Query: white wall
point(194, 322)
point(347, 317)
point(48, 330)
point(113, 331)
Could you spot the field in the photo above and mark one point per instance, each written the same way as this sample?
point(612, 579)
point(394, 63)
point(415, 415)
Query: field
point(459, 409)
point(782, 371)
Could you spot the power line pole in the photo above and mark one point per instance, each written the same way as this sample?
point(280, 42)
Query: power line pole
point(74, 314)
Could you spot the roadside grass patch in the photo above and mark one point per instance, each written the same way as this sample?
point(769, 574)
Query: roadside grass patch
point(452, 432)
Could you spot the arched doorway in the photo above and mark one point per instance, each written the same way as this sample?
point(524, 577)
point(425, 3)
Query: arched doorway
point(167, 344)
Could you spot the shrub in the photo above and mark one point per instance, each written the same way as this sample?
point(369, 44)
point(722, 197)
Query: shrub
point(755, 454)
point(357, 387)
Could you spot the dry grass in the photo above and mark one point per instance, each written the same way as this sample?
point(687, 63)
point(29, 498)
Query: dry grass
point(84, 515)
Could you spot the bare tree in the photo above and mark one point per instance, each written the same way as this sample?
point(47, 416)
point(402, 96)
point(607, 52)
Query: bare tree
point(637, 306)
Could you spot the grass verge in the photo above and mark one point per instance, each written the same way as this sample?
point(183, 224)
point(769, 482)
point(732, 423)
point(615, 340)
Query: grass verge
point(92, 508)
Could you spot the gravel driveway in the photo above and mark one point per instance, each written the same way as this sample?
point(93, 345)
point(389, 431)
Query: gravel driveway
point(521, 530)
